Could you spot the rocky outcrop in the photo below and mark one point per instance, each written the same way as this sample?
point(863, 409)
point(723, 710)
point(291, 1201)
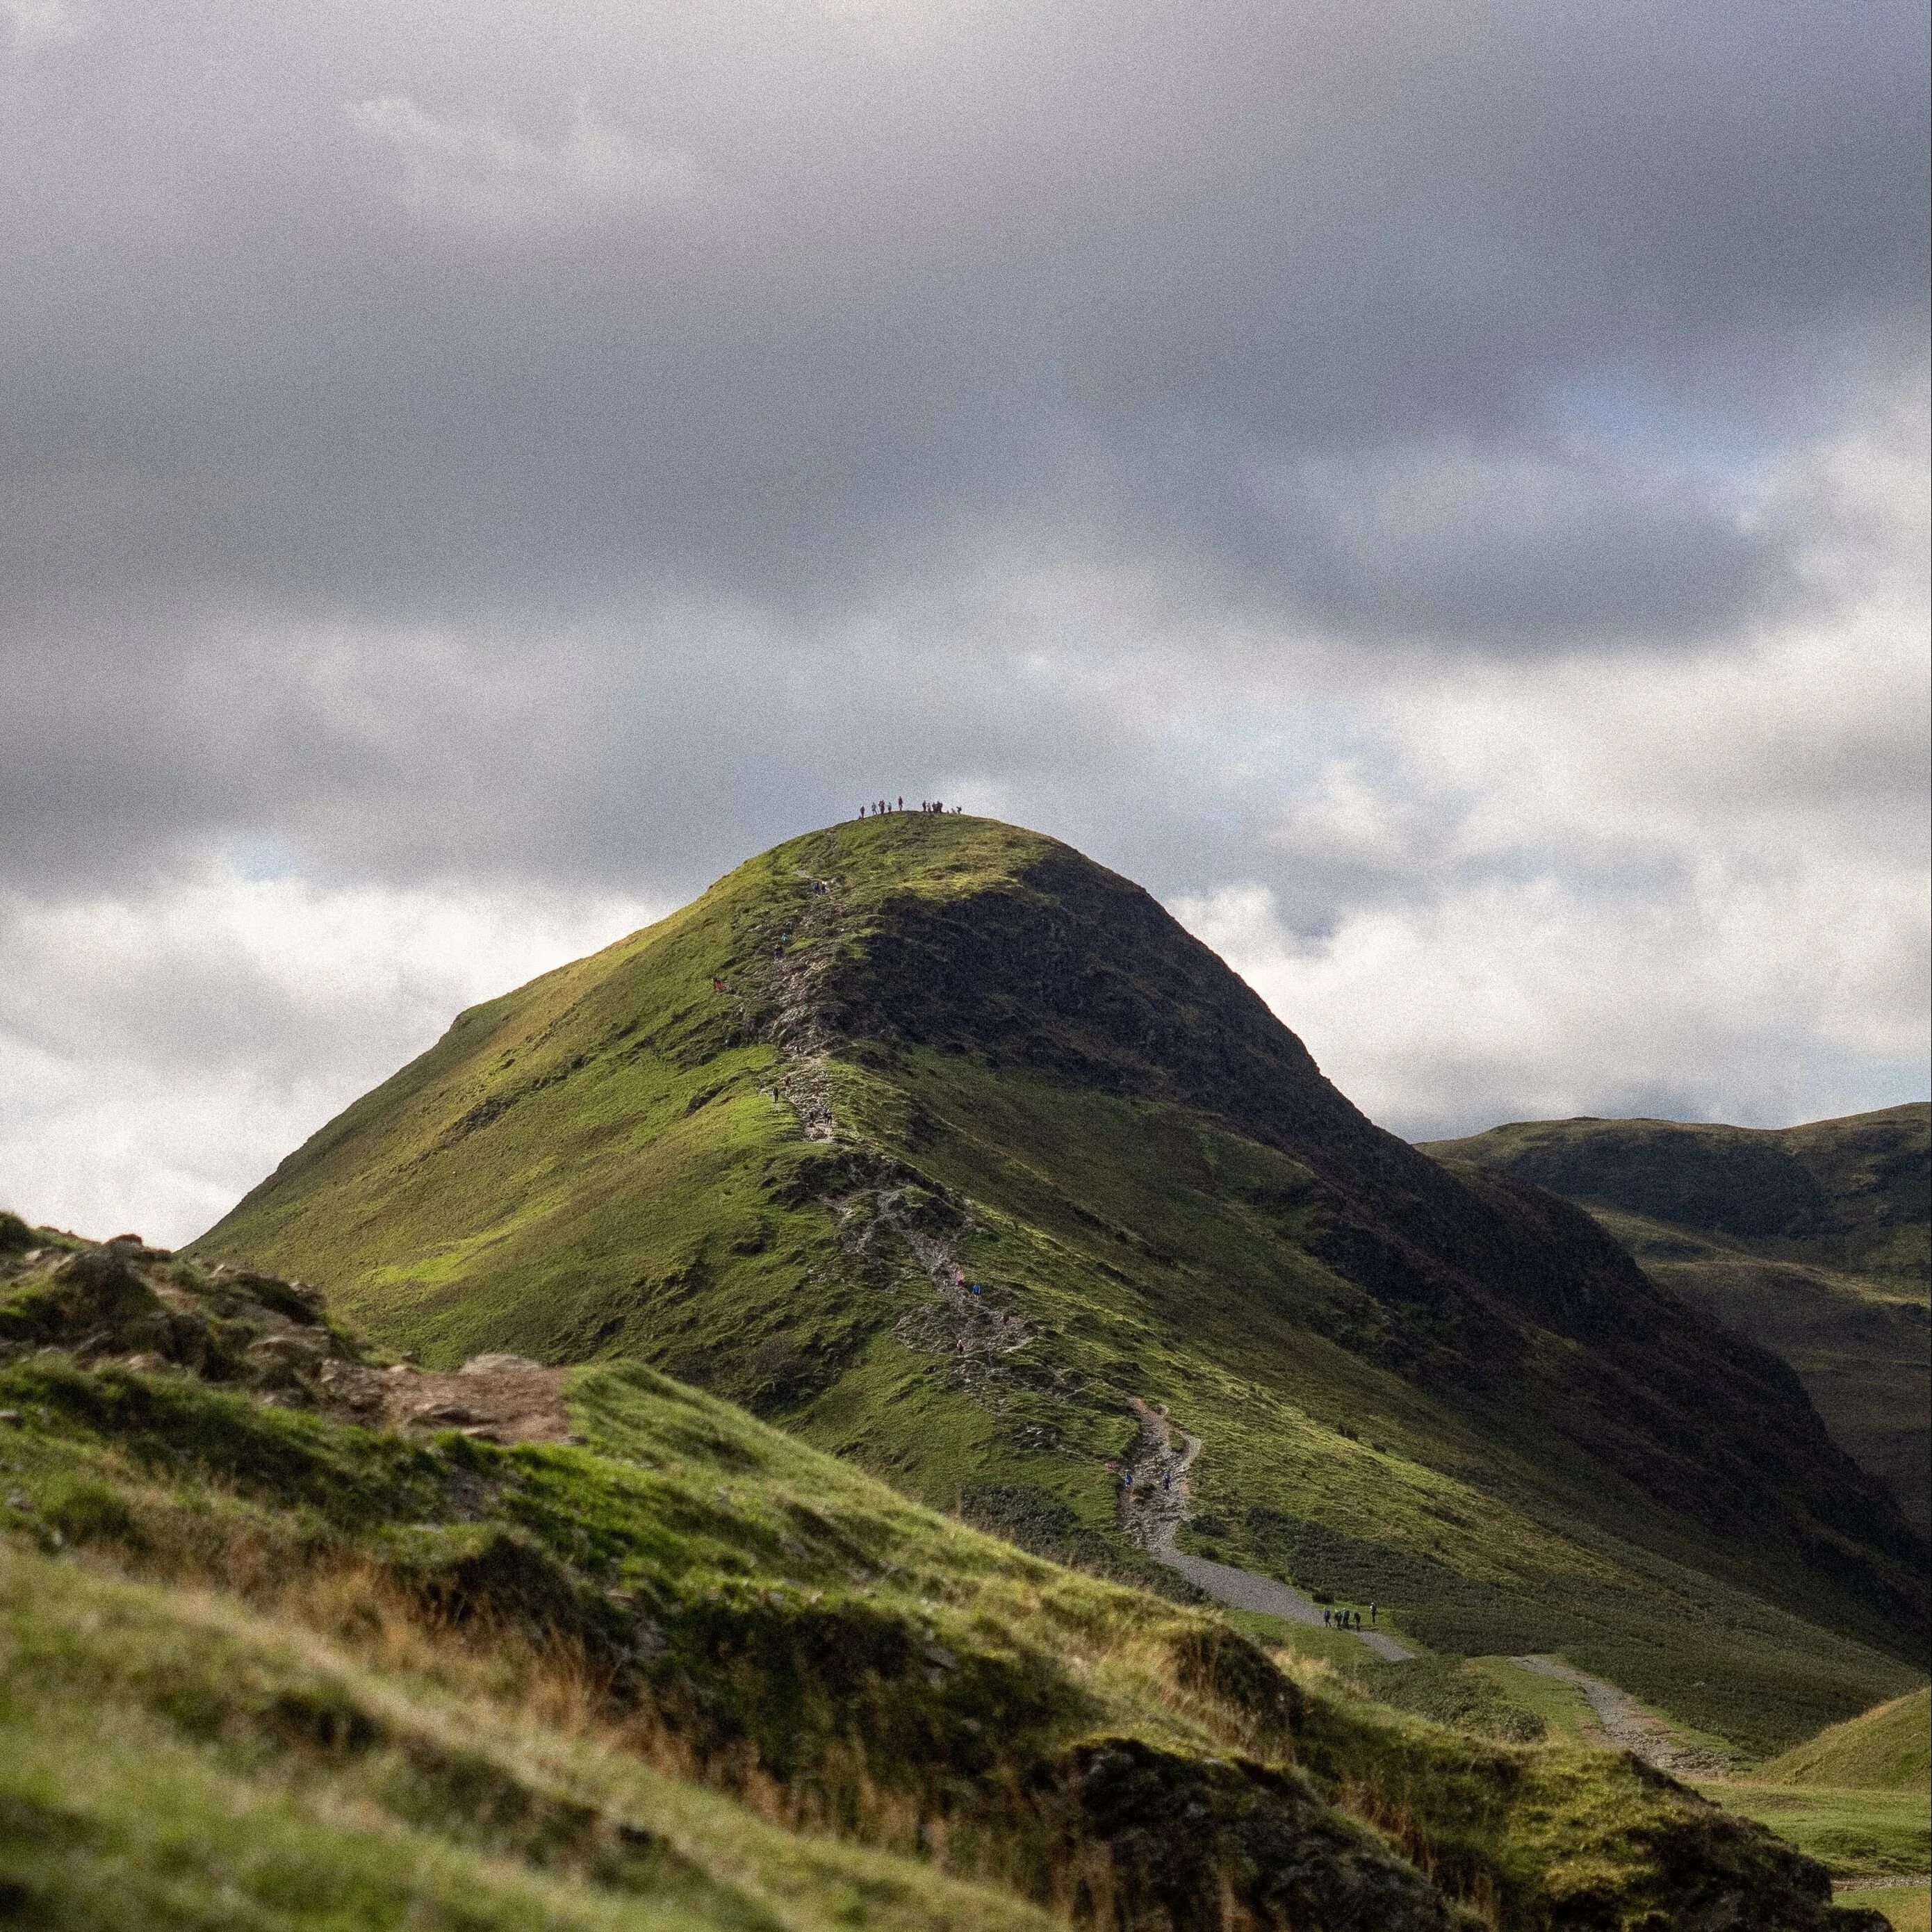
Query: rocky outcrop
point(143, 1308)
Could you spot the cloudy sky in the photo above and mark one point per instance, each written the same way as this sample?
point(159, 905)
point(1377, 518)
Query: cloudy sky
point(1436, 489)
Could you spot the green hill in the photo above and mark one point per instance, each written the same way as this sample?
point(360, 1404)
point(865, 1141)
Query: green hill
point(1888, 1749)
point(1812, 1240)
point(1858, 1797)
point(938, 1143)
point(290, 1638)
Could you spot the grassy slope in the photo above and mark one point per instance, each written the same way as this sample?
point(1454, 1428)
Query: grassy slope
point(1888, 1749)
point(323, 1675)
point(1905, 1909)
point(1856, 1796)
point(602, 1164)
point(173, 1758)
point(1811, 1240)
point(1855, 1833)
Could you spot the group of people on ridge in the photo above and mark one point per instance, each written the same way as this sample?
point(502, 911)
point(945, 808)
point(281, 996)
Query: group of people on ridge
point(880, 806)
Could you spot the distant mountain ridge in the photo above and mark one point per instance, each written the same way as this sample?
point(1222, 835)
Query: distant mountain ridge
point(937, 1142)
point(1814, 1241)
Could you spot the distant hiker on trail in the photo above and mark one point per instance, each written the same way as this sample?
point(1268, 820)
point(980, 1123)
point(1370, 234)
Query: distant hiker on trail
point(1325, 1615)
point(1372, 1613)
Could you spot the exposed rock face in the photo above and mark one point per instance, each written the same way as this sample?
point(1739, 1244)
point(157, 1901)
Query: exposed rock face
point(125, 1298)
point(126, 1302)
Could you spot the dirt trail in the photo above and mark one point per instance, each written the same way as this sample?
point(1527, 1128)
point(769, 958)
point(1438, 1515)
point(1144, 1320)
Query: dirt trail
point(1625, 1723)
point(497, 1398)
point(1159, 1506)
point(790, 979)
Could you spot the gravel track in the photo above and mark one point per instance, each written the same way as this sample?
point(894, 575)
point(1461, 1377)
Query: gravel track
point(1626, 1724)
point(1161, 1492)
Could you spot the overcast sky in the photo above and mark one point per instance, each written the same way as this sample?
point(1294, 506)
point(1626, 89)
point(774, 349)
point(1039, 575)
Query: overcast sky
point(1436, 490)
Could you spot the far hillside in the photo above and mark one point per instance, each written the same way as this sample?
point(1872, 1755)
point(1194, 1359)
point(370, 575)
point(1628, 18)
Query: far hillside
point(1812, 1240)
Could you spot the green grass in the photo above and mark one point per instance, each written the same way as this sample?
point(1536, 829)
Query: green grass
point(597, 1167)
point(1907, 1909)
point(1858, 1797)
point(1888, 1749)
point(1854, 1194)
point(689, 1671)
point(1319, 1468)
point(1565, 1711)
point(1854, 1833)
point(171, 1759)
point(1859, 1342)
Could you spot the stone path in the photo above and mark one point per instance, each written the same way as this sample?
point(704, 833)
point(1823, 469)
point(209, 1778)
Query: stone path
point(1626, 1724)
point(1161, 1487)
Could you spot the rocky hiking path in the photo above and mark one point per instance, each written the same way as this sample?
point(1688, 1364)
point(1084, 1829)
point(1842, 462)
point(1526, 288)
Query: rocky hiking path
point(1161, 1492)
point(973, 1330)
point(787, 985)
point(497, 1398)
point(1626, 1725)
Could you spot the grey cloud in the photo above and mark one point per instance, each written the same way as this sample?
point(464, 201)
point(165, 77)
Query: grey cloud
point(1097, 278)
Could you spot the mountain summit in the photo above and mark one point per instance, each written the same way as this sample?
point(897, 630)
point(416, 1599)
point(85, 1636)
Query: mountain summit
point(949, 1149)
